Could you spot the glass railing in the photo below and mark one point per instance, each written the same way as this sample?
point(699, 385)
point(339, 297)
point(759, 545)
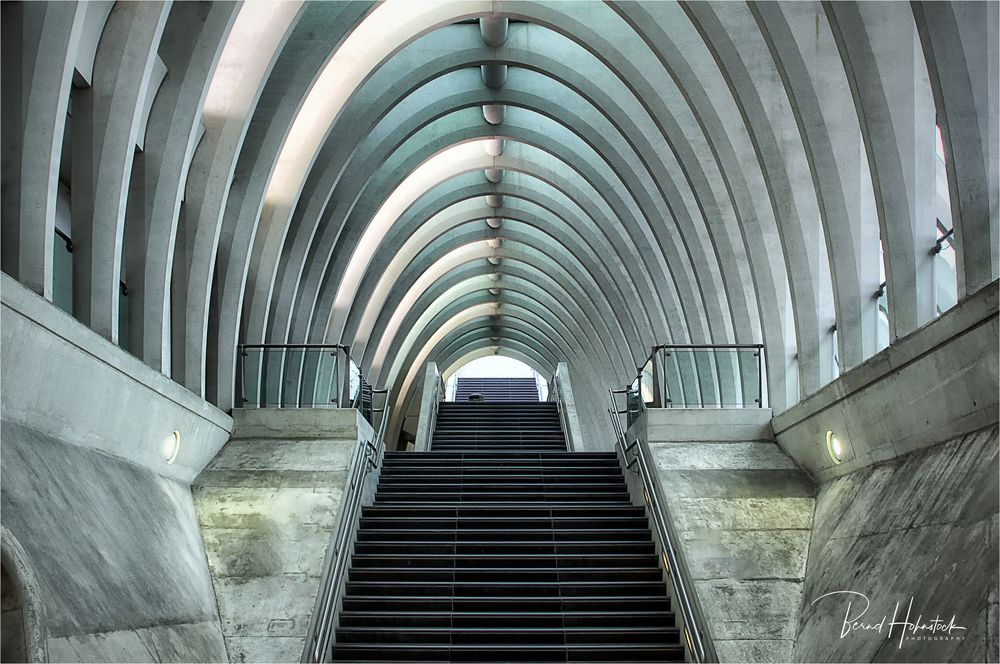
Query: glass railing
point(300, 376)
point(698, 376)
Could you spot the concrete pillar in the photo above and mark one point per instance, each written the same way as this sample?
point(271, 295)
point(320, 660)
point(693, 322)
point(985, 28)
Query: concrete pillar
point(39, 46)
point(895, 108)
point(106, 122)
point(192, 42)
point(960, 46)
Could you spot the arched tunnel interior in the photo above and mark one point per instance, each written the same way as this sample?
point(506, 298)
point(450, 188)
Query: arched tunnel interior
point(245, 242)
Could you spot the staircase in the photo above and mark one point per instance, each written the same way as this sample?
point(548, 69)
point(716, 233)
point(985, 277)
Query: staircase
point(500, 546)
point(498, 427)
point(497, 389)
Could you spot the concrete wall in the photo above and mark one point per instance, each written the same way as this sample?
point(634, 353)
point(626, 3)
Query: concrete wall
point(923, 526)
point(561, 391)
point(267, 506)
point(743, 511)
point(62, 379)
point(115, 549)
point(936, 384)
point(107, 525)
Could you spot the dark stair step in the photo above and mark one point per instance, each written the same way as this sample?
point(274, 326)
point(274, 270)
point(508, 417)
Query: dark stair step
point(620, 652)
point(600, 619)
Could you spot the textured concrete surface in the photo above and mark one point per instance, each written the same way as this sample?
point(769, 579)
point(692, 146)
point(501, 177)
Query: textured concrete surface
point(923, 526)
point(936, 384)
point(116, 551)
point(561, 391)
point(743, 512)
point(430, 396)
point(192, 642)
point(61, 378)
point(23, 625)
point(267, 508)
point(691, 424)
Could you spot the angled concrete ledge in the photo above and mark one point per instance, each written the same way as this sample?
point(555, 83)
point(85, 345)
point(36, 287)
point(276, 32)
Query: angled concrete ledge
point(933, 385)
point(561, 391)
point(299, 423)
point(62, 379)
point(704, 425)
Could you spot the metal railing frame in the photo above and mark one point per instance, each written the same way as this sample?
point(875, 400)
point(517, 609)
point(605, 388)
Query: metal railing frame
point(661, 396)
point(696, 634)
point(341, 374)
point(367, 458)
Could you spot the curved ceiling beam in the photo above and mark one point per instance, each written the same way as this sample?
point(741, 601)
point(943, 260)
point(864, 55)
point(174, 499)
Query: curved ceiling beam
point(375, 296)
point(419, 283)
point(553, 328)
point(615, 347)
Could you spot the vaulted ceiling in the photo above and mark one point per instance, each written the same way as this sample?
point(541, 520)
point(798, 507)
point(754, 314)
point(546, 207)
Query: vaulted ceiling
point(554, 181)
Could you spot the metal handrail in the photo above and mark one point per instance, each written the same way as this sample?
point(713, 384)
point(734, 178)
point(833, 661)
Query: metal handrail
point(756, 347)
point(340, 387)
point(367, 457)
point(310, 346)
point(695, 631)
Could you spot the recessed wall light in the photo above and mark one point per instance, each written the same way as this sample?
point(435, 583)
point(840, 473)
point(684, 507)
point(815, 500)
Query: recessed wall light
point(171, 447)
point(835, 447)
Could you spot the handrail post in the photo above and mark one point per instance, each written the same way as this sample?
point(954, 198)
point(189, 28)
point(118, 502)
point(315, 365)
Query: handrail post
point(760, 377)
point(344, 377)
point(432, 394)
point(241, 397)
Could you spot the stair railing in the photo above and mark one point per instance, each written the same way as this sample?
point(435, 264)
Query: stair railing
point(367, 457)
point(695, 628)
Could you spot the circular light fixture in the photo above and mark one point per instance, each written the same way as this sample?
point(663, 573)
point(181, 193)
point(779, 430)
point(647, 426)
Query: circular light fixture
point(171, 446)
point(835, 447)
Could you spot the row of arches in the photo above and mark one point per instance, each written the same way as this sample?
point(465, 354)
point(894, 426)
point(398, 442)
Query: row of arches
point(562, 181)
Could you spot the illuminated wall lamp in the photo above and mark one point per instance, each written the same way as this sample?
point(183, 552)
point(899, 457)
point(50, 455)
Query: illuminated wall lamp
point(835, 447)
point(171, 447)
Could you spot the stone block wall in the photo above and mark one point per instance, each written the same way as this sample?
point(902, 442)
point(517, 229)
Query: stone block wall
point(743, 512)
point(267, 507)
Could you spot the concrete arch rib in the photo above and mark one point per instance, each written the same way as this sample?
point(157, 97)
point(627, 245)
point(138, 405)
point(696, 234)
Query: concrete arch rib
point(105, 131)
point(714, 128)
point(808, 63)
point(376, 290)
point(565, 210)
point(411, 365)
point(739, 49)
point(473, 167)
point(414, 283)
point(269, 133)
point(517, 158)
point(885, 79)
point(959, 41)
point(662, 178)
point(40, 44)
point(556, 327)
point(159, 172)
point(561, 299)
point(232, 97)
